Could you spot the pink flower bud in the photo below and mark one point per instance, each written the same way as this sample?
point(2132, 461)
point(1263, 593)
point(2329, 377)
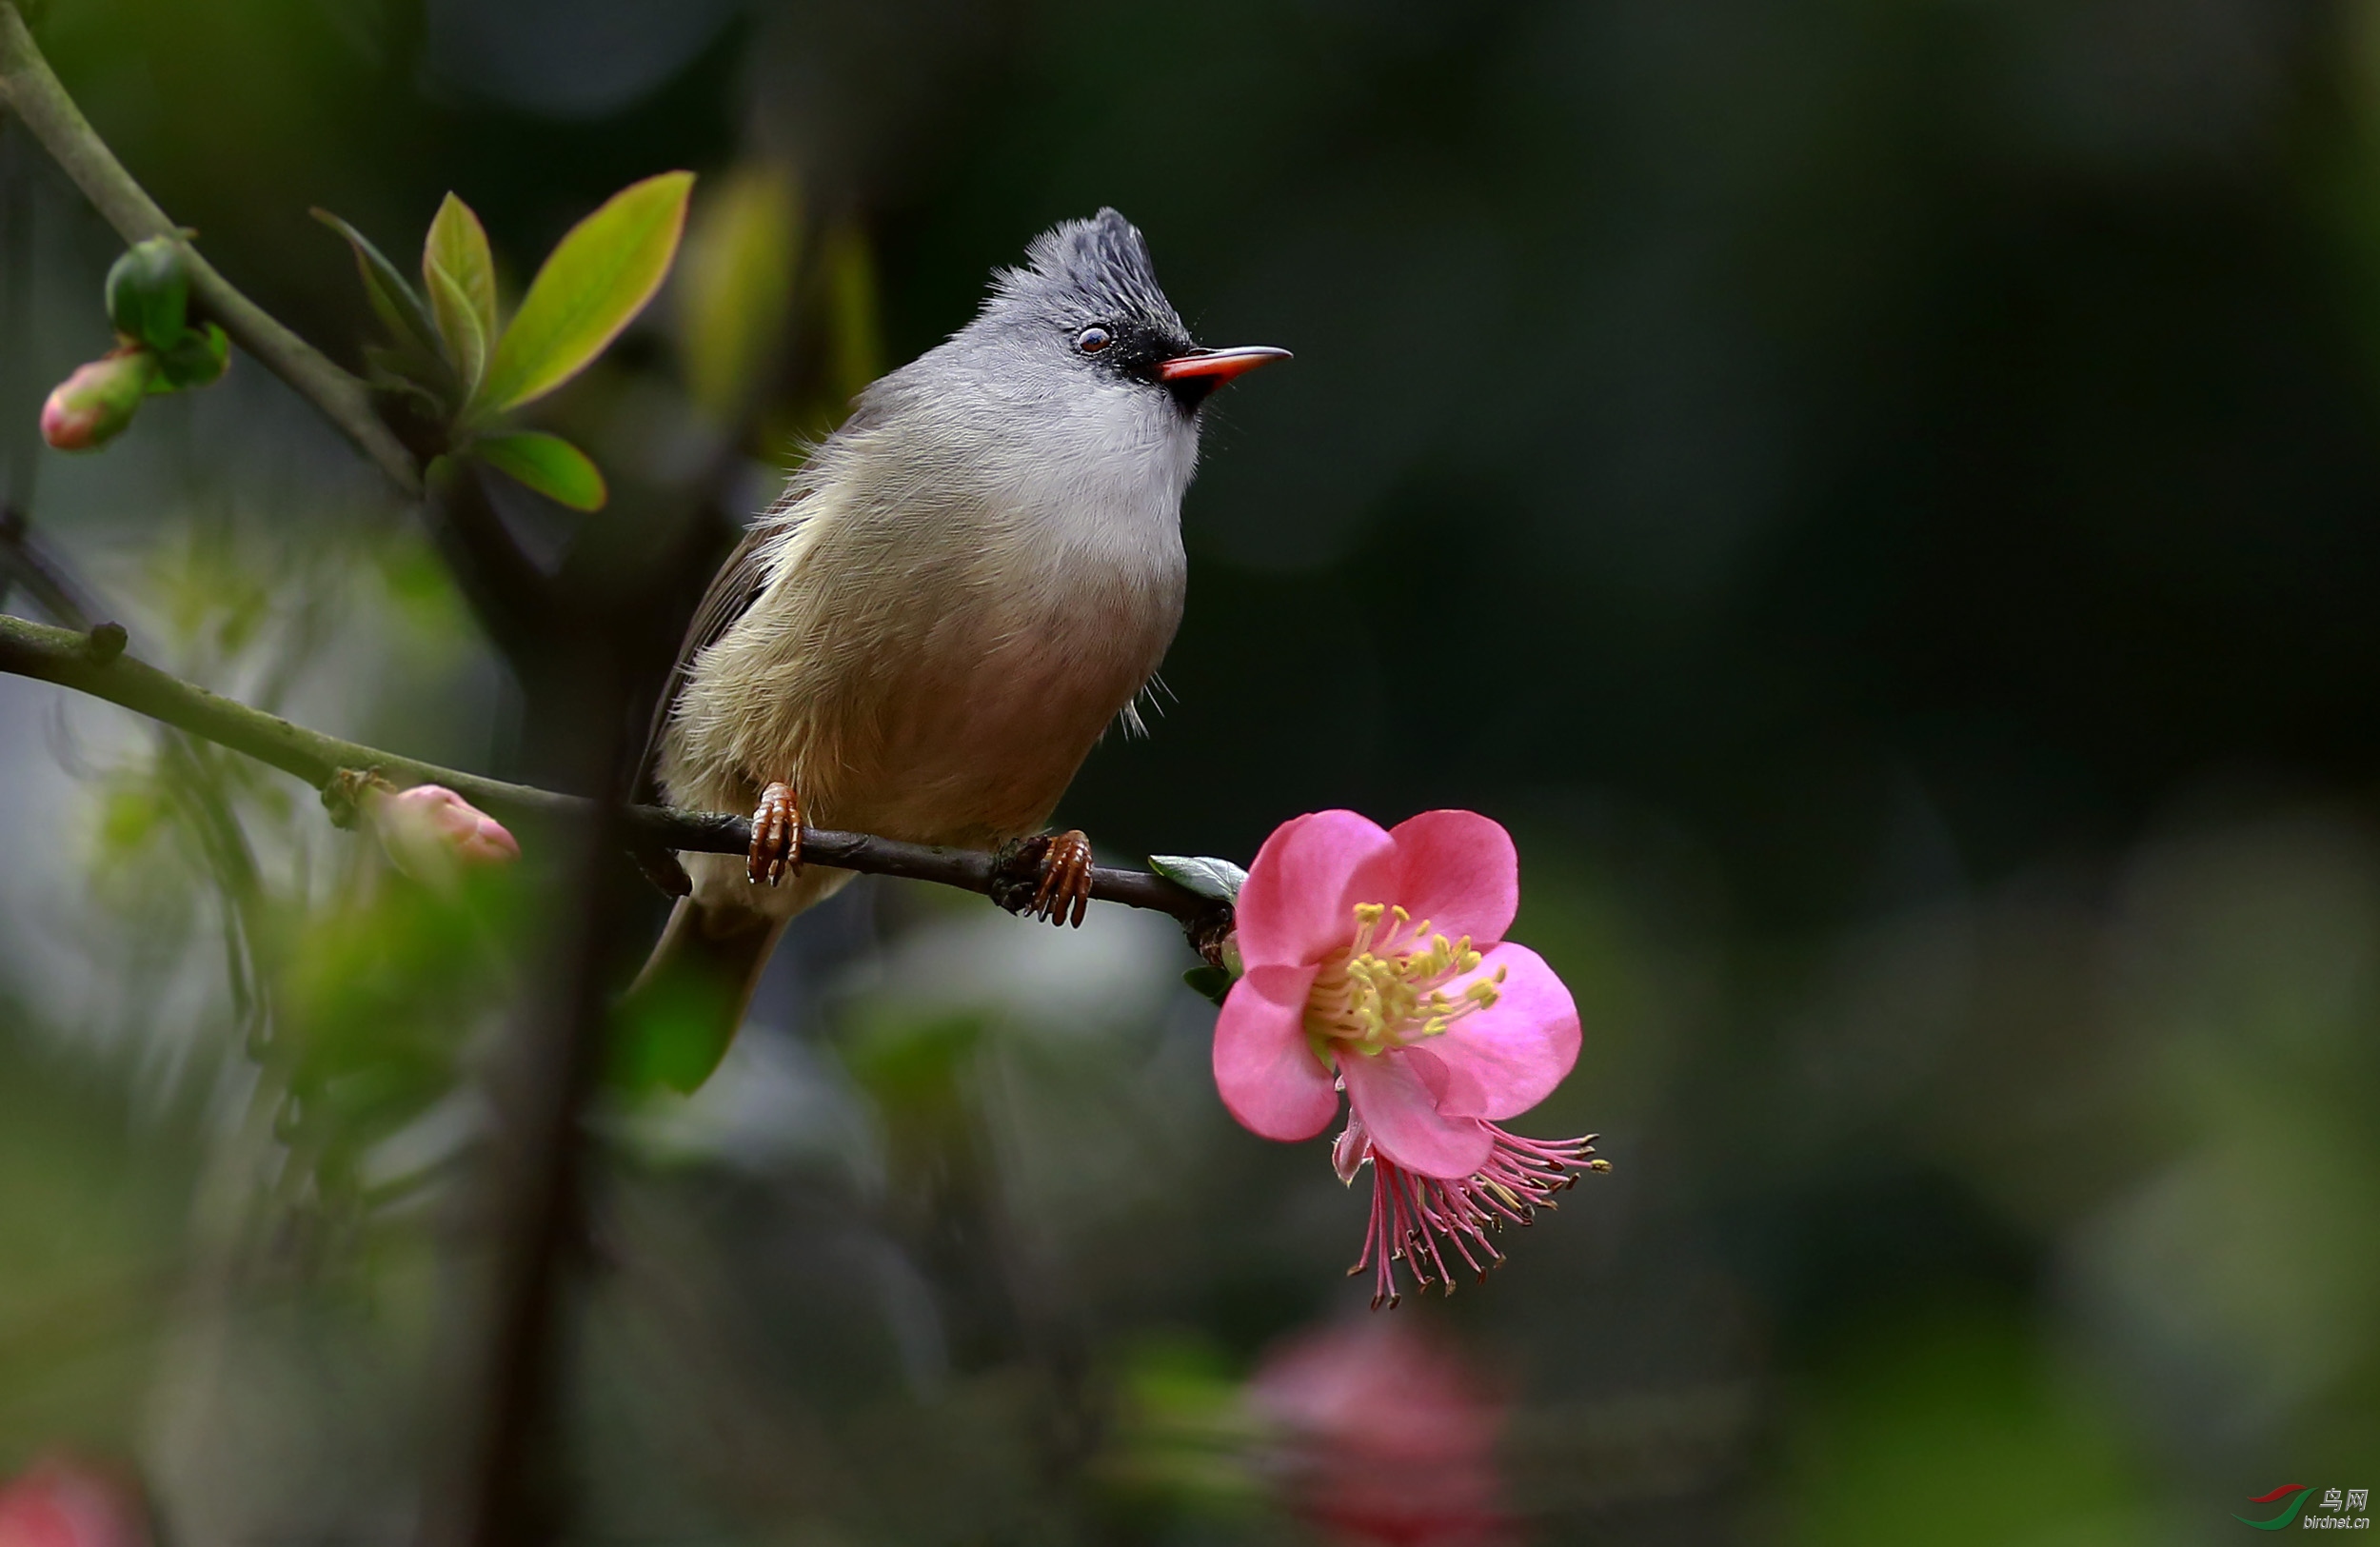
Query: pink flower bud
point(57, 1502)
point(91, 408)
point(432, 834)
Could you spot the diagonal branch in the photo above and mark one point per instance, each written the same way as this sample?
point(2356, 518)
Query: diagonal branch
point(31, 89)
point(96, 663)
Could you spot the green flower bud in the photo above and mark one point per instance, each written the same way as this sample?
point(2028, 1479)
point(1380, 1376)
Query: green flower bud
point(91, 408)
point(148, 293)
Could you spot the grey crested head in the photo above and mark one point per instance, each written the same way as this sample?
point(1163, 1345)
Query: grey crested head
point(1092, 270)
point(1088, 293)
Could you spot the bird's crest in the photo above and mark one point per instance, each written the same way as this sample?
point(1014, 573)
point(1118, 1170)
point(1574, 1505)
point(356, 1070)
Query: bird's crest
point(1102, 264)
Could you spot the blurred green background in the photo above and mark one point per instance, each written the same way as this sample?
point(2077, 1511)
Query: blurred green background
point(1883, 498)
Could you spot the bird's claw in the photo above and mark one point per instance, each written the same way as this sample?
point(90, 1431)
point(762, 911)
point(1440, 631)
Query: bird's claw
point(1065, 894)
point(776, 836)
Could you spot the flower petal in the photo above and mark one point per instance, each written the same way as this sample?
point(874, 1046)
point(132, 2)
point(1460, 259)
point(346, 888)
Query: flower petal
point(1506, 1059)
point(1298, 904)
point(1388, 1091)
point(1351, 1148)
point(1459, 870)
point(1269, 1077)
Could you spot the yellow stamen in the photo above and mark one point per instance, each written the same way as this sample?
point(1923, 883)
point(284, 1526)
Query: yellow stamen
point(1389, 990)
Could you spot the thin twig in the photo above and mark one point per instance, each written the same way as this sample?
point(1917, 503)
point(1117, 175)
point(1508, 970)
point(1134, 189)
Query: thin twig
point(48, 580)
point(30, 88)
point(94, 664)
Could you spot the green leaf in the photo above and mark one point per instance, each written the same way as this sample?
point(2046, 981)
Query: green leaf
point(457, 247)
point(198, 358)
point(735, 284)
point(459, 324)
point(593, 284)
point(393, 297)
point(1209, 983)
point(148, 292)
point(548, 464)
point(1206, 876)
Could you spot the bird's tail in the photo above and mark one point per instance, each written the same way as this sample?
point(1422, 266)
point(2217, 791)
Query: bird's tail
point(679, 1016)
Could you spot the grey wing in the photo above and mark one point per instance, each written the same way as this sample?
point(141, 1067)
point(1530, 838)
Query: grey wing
point(732, 591)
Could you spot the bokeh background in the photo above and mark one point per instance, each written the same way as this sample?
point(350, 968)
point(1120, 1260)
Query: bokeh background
point(1883, 498)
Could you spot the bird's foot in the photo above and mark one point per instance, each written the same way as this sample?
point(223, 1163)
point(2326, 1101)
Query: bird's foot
point(776, 836)
point(1059, 868)
point(1065, 878)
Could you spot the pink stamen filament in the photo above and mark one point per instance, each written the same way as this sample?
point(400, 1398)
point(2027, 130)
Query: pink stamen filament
point(1412, 1214)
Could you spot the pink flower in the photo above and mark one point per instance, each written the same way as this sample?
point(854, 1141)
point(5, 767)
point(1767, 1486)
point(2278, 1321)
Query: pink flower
point(432, 834)
point(1376, 963)
point(57, 1502)
point(1388, 1435)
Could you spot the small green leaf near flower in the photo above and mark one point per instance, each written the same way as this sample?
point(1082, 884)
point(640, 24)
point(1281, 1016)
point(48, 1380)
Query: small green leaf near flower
point(548, 464)
point(1202, 874)
point(595, 281)
point(1210, 984)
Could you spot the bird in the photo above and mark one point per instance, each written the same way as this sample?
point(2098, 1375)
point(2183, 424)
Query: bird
point(957, 593)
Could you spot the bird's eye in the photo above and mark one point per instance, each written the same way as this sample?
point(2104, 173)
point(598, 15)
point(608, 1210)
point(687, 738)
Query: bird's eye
point(1092, 340)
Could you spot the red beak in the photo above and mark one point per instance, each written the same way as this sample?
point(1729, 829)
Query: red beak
point(1219, 365)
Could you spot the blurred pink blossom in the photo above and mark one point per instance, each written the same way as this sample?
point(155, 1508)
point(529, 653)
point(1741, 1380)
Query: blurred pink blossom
point(58, 1503)
point(431, 833)
point(1376, 963)
point(1388, 1437)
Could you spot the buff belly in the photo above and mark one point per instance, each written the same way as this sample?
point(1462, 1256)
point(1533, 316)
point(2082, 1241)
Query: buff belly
point(965, 733)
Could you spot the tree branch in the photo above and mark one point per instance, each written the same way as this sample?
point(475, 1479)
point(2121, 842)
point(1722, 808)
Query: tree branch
point(96, 663)
point(29, 87)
